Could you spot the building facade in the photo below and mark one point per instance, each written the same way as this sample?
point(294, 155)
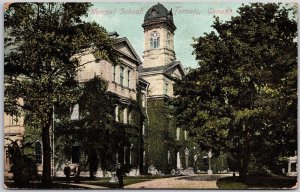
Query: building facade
point(123, 85)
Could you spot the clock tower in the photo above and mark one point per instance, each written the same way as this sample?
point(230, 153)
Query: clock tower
point(158, 37)
point(159, 69)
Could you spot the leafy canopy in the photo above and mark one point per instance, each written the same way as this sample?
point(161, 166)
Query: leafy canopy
point(243, 96)
point(43, 45)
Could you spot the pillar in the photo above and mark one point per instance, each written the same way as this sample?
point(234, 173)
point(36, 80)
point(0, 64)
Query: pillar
point(178, 161)
point(117, 113)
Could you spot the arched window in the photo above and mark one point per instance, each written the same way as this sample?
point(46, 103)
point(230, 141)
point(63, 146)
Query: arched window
point(154, 40)
point(38, 152)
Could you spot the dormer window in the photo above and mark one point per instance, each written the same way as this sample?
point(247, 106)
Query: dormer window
point(154, 40)
point(153, 12)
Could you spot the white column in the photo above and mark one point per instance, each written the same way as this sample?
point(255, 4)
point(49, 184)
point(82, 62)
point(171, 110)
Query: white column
point(178, 160)
point(289, 167)
point(186, 151)
point(209, 155)
point(169, 156)
point(177, 133)
point(117, 113)
point(75, 112)
point(125, 115)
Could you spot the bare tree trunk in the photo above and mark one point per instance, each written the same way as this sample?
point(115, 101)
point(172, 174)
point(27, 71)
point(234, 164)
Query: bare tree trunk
point(46, 175)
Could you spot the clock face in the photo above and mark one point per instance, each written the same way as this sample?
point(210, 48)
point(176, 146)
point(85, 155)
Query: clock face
point(155, 34)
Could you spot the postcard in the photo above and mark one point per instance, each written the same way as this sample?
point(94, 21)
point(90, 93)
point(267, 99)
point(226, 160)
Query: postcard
point(150, 95)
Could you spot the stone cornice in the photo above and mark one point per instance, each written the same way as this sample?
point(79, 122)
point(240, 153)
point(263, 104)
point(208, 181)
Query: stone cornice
point(152, 24)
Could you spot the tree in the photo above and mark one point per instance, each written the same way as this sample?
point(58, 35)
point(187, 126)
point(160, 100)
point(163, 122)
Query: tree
point(243, 97)
point(95, 129)
point(96, 121)
point(41, 40)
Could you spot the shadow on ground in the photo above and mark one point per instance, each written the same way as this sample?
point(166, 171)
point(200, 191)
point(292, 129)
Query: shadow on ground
point(202, 178)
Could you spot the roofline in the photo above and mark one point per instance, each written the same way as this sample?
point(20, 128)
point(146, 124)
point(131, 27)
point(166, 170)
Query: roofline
point(143, 81)
point(119, 40)
point(180, 66)
point(178, 63)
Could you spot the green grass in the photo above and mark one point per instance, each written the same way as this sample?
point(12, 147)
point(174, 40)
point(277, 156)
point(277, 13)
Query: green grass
point(10, 185)
point(256, 182)
point(231, 183)
point(104, 182)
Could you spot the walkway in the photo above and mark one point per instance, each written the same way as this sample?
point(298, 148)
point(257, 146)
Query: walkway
point(87, 186)
point(202, 181)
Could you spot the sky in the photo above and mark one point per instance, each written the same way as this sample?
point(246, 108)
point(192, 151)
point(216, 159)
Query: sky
point(192, 19)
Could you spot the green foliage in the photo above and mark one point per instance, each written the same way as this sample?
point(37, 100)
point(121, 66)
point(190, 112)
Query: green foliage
point(228, 183)
point(161, 137)
point(96, 131)
point(243, 97)
point(23, 166)
point(256, 182)
point(41, 41)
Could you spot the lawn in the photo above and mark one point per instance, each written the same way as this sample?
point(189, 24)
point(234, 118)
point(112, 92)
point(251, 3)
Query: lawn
point(10, 185)
point(59, 182)
point(231, 183)
point(257, 182)
point(104, 182)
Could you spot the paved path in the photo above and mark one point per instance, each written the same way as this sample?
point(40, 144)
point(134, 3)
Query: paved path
point(83, 185)
point(184, 182)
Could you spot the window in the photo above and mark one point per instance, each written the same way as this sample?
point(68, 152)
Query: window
point(14, 120)
point(168, 39)
point(128, 78)
point(154, 40)
point(114, 73)
point(121, 75)
point(166, 88)
point(38, 152)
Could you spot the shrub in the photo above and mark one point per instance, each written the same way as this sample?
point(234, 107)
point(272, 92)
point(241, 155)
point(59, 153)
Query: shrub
point(271, 181)
point(23, 166)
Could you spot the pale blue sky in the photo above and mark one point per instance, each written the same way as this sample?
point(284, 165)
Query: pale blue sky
point(192, 24)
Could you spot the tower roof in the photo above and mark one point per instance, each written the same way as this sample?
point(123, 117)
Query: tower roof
point(157, 11)
point(159, 14)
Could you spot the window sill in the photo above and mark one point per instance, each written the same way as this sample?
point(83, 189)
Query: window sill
point(123, 87)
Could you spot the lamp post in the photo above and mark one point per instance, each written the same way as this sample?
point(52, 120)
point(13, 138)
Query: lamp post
point(53, 145)
point(209, 155)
